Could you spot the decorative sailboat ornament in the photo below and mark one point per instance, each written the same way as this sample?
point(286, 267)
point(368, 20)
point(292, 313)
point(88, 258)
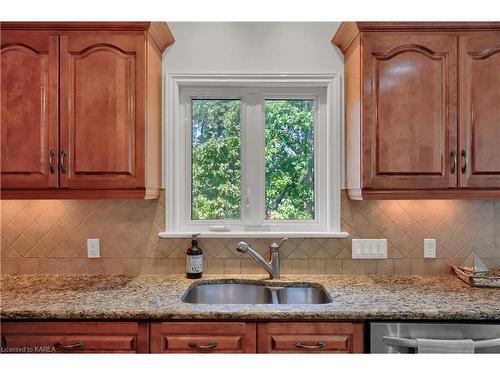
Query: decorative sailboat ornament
point(478, 267)
point(478, 275)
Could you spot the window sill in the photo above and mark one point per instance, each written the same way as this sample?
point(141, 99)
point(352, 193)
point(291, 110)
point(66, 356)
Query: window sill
point(255, 234)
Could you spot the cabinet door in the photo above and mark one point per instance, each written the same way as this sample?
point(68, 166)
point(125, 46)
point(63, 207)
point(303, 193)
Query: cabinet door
point(102, 110)
point(29, 79)
point(409, 112)
point(310, 338)
point(480, 110)
point(75, 337)
point(203, 337)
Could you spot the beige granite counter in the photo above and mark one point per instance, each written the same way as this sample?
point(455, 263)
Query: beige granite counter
point(155, 297)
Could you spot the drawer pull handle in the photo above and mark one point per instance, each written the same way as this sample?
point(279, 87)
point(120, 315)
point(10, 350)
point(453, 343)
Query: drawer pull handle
point(319, 345)
point(194, 345)
point(77, 345)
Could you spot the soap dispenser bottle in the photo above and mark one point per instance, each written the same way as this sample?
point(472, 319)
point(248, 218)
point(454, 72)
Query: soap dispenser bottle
point(194, 260)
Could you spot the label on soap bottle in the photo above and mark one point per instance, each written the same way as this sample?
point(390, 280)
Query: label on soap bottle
point(194, 264)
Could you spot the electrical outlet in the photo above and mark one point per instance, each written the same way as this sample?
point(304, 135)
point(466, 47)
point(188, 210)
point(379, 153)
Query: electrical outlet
point(369, 249)
point(93, 248)
point(429, 248)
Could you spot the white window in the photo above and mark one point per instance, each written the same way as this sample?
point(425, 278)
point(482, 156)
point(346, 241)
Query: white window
point(253, 156)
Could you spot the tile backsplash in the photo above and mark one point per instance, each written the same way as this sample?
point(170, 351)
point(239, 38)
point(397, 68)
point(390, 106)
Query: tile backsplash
point(49, 236)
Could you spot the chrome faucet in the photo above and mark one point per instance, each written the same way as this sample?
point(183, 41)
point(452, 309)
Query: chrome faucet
point(273, 266)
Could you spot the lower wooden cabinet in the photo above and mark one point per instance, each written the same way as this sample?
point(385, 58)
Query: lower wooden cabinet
point(75, 337)
point(203, 337)
point(181, 337)
point(310, 338)
point(236, 337)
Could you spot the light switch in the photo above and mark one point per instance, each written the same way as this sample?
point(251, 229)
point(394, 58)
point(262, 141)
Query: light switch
point(369, 248)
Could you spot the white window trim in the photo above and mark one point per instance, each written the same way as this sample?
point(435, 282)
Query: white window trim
point(176, 167)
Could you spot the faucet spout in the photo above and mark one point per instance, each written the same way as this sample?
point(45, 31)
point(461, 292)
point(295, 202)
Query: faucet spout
point(243, 247)
point(273, 266)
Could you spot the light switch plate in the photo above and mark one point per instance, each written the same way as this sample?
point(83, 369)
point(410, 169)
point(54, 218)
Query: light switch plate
point(93, 248)
point(429, 248)
point(369, 248)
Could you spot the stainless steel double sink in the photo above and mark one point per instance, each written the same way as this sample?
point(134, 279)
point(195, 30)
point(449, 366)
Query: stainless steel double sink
point(241, 292)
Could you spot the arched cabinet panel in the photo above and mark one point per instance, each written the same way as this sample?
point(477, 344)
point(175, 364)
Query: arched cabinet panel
point(29, 111)
point(409, 111)
point(480, 110)
point(102, 98)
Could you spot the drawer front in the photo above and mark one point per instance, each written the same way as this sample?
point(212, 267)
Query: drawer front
point(70, 343)
point(75, 337)
point(203, 337)
point(310, 338)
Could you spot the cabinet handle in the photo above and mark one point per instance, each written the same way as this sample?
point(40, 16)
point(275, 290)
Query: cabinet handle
point(77, 345)
point(4, 342)
point(464, 157)
point(51, 161)
point(453, 168)
point(63, 158)
point(194, 345)
point(319, 345)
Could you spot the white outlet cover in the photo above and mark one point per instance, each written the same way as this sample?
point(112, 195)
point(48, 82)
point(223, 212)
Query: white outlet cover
point(429, 248)
point(93, 248)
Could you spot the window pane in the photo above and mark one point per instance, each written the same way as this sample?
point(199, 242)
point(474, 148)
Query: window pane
point(215, 159)
point(289, 153)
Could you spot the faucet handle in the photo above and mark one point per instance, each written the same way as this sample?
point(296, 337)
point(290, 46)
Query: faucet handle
point(275, 246)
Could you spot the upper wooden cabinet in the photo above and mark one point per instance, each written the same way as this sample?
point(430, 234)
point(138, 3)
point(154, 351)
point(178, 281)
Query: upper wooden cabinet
point(81, 109)
point(409, 110)
point(102, 98)
point(407, 134)
point(479, 125)
point(29, 114)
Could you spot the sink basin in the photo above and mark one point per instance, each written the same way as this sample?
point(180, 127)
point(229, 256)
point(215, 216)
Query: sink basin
point(303, 295)
point(228, 292)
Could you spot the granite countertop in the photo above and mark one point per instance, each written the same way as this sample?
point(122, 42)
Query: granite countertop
point(156, 297)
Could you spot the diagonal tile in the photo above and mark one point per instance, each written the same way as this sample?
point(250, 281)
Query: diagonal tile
point(22, 245)
point(11, 208)
point(10, 233)
point(22, 221)
point(362, 227)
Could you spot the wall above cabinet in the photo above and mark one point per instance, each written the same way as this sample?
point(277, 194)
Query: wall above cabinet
point(81, 109)
point(420, 118)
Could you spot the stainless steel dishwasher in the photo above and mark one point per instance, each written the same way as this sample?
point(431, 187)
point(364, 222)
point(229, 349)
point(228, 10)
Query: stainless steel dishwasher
point(392, 337)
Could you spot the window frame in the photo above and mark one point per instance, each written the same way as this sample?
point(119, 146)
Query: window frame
point(253, 90)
